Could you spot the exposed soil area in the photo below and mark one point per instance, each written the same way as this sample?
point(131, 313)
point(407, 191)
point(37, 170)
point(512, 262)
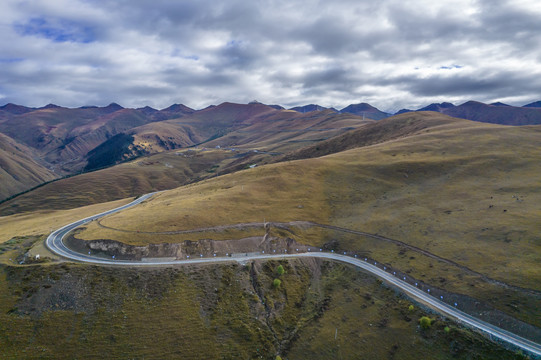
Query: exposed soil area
point(185, 249)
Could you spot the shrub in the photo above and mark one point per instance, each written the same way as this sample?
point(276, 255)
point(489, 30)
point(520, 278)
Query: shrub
point(410, 308)
point(425, 322)
point(278, 357)
point(276, 283)
point(280, 270)
point(446, 329)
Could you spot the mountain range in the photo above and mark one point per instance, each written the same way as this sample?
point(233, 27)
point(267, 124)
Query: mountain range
point(494, 113)
point(38, 145)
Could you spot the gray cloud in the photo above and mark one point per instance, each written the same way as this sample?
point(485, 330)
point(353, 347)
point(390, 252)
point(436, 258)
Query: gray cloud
point(390, 53)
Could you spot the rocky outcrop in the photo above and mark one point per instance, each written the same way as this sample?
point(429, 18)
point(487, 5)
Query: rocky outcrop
point(124, 251)
point(205, 247)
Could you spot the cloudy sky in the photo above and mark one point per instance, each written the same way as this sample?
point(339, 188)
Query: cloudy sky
point(389, 53)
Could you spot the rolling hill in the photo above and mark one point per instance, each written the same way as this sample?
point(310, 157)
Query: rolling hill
point(371, 134)
point(464, 192)
point(161, 171)
point(63, 138)
point(428, 180)
point(19, 171)
point(66, 140)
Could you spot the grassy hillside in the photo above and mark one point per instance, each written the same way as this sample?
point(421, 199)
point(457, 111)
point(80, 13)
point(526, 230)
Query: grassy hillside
point(373, 133)
point(464, 192)
point(161, 171)
point(18, 169)
point(43, 222)
point(321, 310)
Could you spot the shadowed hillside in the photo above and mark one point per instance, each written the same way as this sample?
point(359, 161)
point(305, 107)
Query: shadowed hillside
point(157, 172)
point(18, 169)
point(62, 137)
point(321, 309)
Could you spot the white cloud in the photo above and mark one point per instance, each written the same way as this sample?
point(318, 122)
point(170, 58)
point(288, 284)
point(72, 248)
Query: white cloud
point(390, 53)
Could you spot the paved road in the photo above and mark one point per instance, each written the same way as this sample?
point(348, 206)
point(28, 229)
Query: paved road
point(54, 243)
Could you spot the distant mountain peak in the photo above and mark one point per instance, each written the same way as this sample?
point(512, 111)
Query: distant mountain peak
point(365, 109)
point(51, 106)
point(536, 104)
point(437, 107)
point(277, 107)
point(308, 108)
point(178, 108)
point(16, 109)
point(402, 111)
point(473, 103)
point(114, 106)
point(147, 110)
point(495, 113)
point(498, 103)
point(359, 107)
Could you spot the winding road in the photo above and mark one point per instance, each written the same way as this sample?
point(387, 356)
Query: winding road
point(55, 243)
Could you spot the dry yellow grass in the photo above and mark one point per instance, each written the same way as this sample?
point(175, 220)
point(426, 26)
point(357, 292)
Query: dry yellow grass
point(43, 222)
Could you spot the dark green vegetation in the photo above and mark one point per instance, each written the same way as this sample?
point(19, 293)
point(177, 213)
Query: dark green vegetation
point(321, 310)
point(425, 322)
point(110, 152)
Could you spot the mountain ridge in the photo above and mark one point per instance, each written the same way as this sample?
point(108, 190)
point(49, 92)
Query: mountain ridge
point(61, 138)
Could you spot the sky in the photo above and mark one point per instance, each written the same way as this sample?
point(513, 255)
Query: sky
point(392, 54)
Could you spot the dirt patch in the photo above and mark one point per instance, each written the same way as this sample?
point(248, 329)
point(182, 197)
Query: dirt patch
point(205, 247)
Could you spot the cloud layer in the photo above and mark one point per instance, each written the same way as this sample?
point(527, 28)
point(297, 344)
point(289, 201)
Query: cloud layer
point(389, 53)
